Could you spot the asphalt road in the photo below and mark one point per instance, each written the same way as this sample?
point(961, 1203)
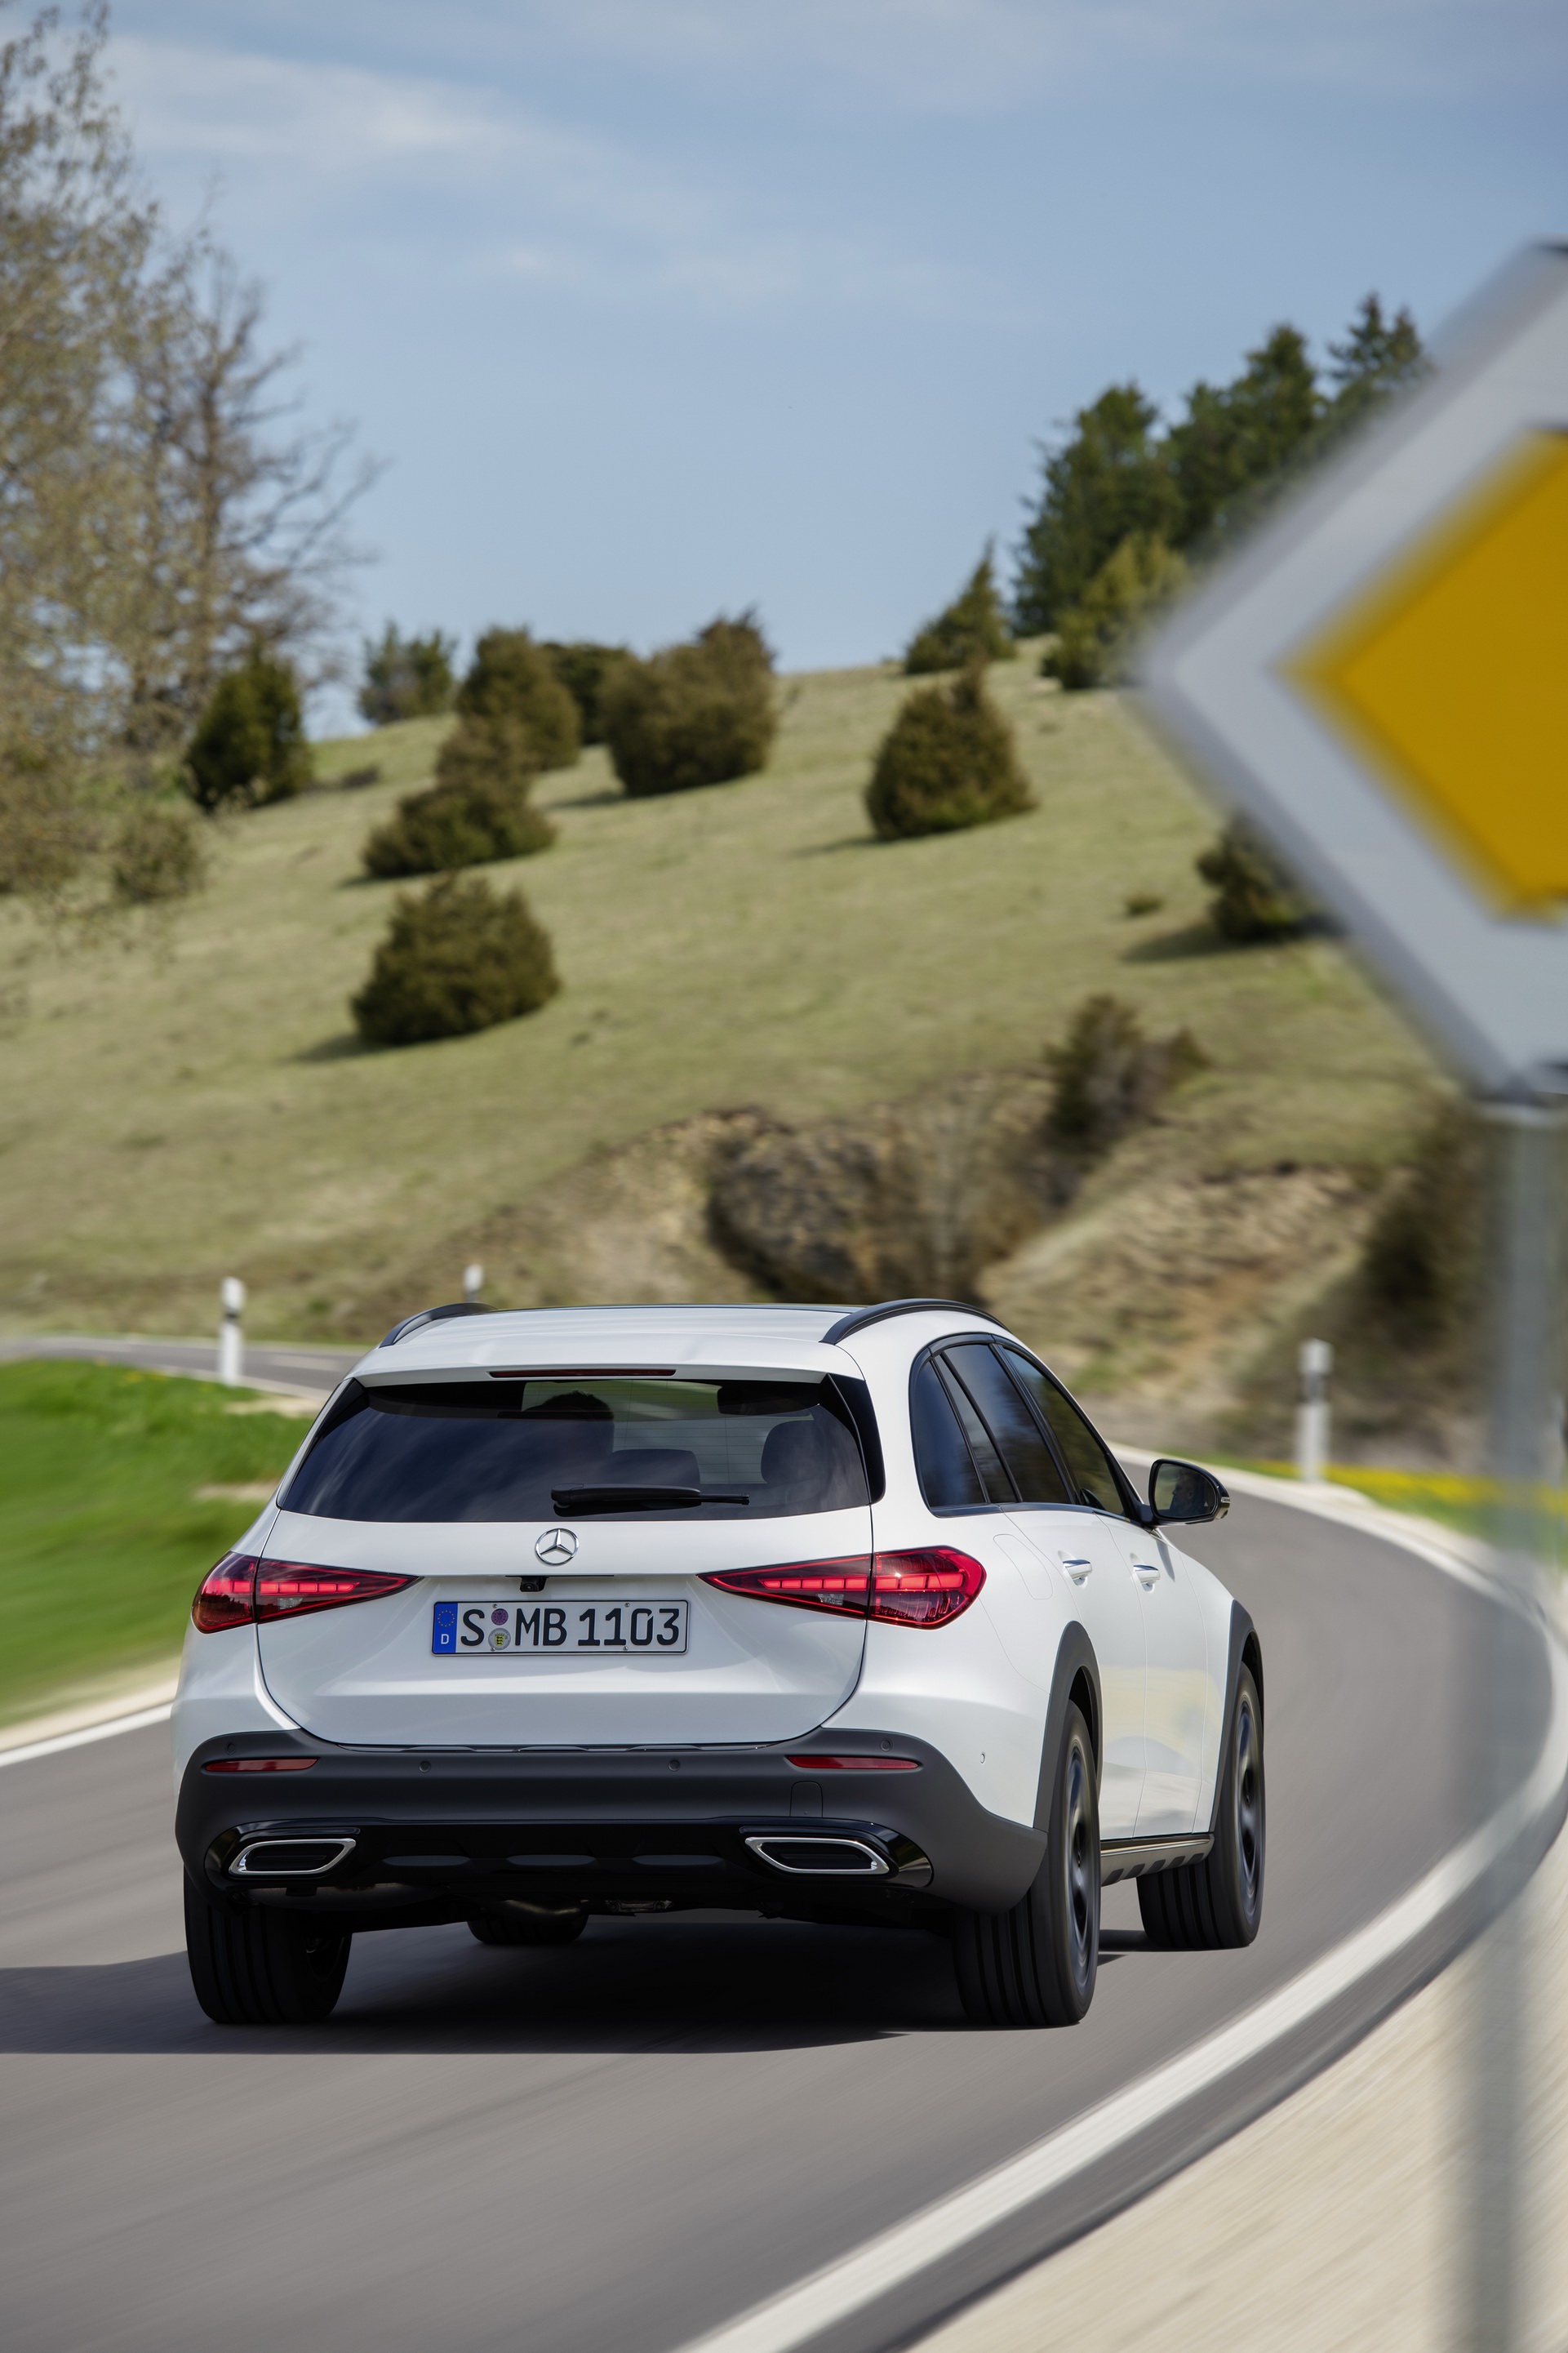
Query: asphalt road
point(625, 2144)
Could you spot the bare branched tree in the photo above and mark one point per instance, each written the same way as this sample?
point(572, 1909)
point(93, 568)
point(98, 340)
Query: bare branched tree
point(240, 517)
point(162, 508)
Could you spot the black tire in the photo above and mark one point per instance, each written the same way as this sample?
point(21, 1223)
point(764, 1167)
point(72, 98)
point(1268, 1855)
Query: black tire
point(528, 1924)
point(261, 1968)
point(1034, 1965)
point(1218, 1903)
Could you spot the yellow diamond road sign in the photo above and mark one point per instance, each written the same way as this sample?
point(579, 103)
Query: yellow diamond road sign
point(1452, 675)
point(1379, 682)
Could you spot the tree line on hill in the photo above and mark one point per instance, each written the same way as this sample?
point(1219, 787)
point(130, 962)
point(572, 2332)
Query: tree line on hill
point(171, 561)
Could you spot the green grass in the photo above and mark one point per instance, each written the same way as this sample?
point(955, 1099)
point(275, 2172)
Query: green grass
point(104, 1539)
point(190, 1100)
point(1471, 1504)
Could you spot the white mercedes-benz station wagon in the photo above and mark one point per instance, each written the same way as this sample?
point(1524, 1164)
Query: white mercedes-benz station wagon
point(822, 1614)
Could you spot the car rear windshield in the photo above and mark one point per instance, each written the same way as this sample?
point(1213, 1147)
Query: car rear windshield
point(544, 1450)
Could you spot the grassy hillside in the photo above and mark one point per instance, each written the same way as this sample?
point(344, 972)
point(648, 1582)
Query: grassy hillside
point(118, 1490)
point(189, 1099)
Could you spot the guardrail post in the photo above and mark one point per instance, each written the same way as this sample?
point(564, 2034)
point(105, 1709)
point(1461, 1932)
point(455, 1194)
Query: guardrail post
point(473, 1280)
point(230, 1337)
point(1316, 1363)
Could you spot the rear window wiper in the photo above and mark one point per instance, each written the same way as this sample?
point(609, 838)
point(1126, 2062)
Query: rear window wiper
point(572, 1499)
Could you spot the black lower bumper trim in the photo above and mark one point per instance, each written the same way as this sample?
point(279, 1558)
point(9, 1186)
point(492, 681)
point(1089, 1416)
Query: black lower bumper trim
point(448, 1831)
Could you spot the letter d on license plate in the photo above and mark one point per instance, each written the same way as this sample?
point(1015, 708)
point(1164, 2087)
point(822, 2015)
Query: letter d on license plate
point(485, 1630)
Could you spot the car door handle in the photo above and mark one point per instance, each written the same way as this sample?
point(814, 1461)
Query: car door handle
point(1148, 1573)
point(1078, 1569)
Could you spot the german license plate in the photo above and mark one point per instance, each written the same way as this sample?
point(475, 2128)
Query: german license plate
point(472, 1630)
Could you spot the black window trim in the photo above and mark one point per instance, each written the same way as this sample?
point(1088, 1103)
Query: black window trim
point(944, 1511)
point(951, 1375)
point(1123, 1486)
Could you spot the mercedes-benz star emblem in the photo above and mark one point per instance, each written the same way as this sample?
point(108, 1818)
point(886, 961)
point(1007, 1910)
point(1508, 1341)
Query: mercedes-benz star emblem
point(555, 1548)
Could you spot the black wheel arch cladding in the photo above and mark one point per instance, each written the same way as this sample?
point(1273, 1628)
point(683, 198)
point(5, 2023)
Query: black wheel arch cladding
point(1075, 1675)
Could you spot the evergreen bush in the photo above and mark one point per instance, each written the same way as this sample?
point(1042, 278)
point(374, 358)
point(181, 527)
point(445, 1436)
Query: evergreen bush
point(948, 761)
point(694, 714)
point(407, 678)
point(251, 745)
point(1107, 1076)
point(1423, 1265)
point(477, 809)
point(458, 957)
point(972, 628)
point(512, 678)
point(1094, 636)
point(157, 853)
point(1254, 899)
point(585, 671)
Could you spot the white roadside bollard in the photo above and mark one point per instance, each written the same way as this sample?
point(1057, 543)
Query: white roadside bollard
point(473, 1280)
point(230, 1338)
point(1317, 1362)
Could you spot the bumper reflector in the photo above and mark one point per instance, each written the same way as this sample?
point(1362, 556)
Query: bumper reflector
point(855, 1763)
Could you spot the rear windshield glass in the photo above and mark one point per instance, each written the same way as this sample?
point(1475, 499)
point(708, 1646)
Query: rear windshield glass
point(618, 1448)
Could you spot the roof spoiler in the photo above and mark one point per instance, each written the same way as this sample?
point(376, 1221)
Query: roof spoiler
point(434, 1315)
point(859, 1317)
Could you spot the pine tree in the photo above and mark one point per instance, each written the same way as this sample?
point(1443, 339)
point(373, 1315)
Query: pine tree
point(972, 628)
point(1108, 480)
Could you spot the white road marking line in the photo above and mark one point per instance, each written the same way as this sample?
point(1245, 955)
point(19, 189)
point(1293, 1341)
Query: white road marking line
point(89, 1732)
point(792, 2319)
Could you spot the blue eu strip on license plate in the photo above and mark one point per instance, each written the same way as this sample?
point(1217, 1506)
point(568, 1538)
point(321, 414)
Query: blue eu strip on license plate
point(443, 1636)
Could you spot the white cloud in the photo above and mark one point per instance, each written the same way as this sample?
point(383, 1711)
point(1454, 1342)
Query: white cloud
point(996, 55)
point(588, 213)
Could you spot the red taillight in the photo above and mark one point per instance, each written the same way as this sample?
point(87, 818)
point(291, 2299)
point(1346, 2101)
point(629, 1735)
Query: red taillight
point(241, 1589)
point(925, 1588)
point(848, 1764)
point(260, 1765)
point(906, 1588)
point(288, 1588)
point(838, 1584)
point(225, 1595)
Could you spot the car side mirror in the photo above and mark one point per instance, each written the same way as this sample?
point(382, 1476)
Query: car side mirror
point(1180, 1491)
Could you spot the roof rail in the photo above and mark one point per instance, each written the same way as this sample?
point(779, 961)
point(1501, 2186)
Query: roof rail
point(859, 1317)
point(434, 1315)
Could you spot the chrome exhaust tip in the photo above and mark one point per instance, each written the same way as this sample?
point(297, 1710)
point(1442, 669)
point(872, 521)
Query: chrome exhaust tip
point(819, 1857)
point(290, 1858)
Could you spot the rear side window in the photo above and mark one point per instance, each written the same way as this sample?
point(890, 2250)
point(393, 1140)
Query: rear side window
point(1019, 1438)
point(1089, 1465)
point(947, 1477)
point(761, 1449)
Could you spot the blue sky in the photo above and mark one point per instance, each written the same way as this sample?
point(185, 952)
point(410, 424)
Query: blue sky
point(658, 307)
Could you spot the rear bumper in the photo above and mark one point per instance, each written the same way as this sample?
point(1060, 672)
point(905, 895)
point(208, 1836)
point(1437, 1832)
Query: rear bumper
point(442, 1833)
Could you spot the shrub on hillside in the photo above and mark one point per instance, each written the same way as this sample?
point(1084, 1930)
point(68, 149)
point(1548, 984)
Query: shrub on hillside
point(251, 745)
point(407, 678)
point(1107, 1076)
point(477, 809)
point(459, 957)
point(1423, 1263)
point(585, 671)
point(694, 714)
point(948, 761)
point(1254, 899)
point(972, 628)
point(157, 853)
point(512, 678)
point(1094, 636)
